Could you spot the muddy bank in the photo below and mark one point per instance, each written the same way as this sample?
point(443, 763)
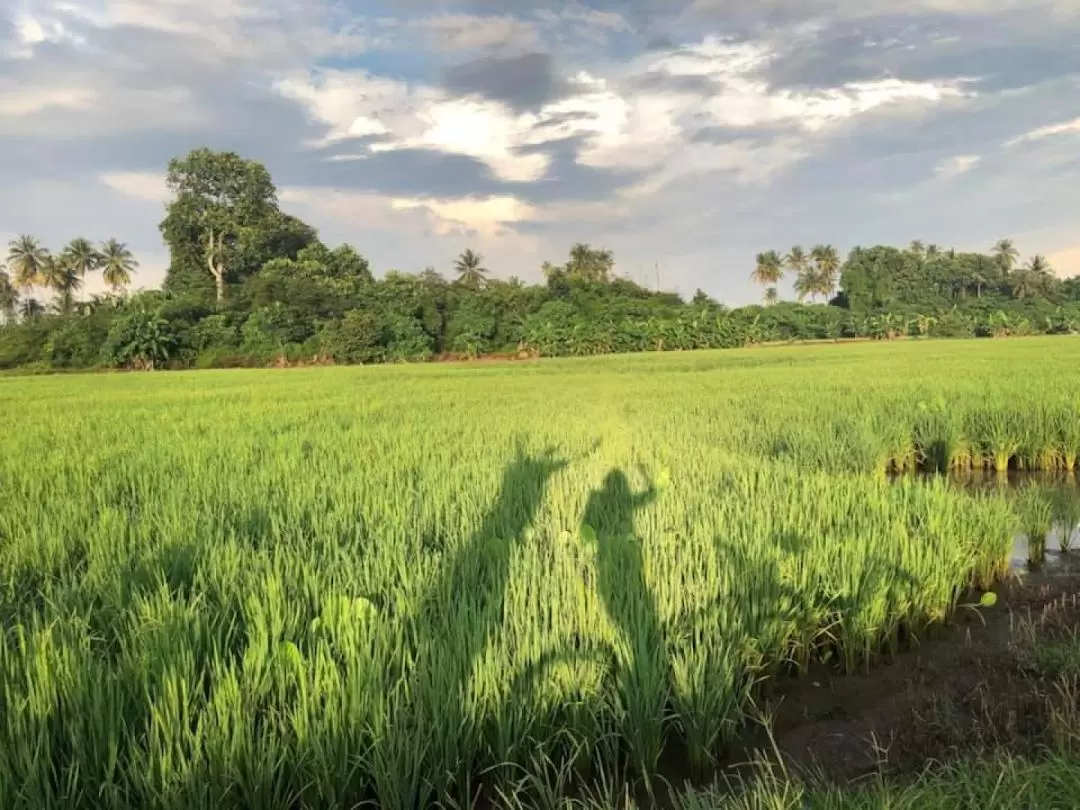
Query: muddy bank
point(1000, 679)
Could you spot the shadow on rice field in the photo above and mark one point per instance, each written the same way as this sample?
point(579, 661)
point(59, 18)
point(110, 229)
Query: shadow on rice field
point(982, 713)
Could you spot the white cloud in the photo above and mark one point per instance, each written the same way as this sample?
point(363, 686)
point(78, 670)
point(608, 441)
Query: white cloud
point(17, 100)
point(149, 186)
point(488, 216)
point(1065, 128)
point(956, 166)
point(483, 130)
point(354, 103)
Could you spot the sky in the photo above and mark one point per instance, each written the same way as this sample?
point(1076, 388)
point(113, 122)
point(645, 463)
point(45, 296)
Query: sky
point(684, 135)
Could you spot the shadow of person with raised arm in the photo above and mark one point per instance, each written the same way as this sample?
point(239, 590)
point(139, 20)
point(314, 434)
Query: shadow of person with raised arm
point(641, 660)
point(455, 623)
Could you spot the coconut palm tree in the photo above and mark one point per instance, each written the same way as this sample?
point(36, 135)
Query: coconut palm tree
point(1039, 265)
point(771, 296)
point(1024, 283)
point(827, 270)
point(1006, 254)
point(27, 259)
point(796, 260)
point(81, 256)
point(471, 272)
point(117, 264)
point(806, 282)
point(63, 278)
point(30, 308)
point(769, 269)
point(9, 296)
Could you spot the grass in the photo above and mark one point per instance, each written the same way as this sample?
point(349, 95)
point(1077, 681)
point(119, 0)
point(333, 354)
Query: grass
point(317, 587)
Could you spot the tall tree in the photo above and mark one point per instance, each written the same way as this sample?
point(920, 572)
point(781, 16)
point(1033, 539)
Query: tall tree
point(63, 278)
point(797, 261)
point(826, 270)
point(589, 263)
point(117, 264)
point(81, 256)
point(771, 295)
point(30, 308)
point(1006, 254)
point(768, 269)
point(221, 204)
point(27, 260)
point(470, 270)
point(9, 296)
point(1039, 265)
point(1023, 283)
point(806, 283)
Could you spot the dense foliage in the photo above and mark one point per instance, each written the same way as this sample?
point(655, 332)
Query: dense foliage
point(250, 285)
point(399, 586)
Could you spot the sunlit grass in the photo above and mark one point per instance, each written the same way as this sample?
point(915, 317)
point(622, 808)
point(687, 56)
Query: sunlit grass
point(318, 587)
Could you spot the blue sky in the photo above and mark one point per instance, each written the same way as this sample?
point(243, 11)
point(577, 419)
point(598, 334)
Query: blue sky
point(685, 135)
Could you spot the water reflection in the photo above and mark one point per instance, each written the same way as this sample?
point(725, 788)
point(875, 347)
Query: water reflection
point(1048, 515)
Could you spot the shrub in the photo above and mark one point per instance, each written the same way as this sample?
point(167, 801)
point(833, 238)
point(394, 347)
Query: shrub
point(359, 337)
point(139, 339)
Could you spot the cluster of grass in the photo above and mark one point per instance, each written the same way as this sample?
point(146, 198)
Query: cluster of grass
point(406, 585)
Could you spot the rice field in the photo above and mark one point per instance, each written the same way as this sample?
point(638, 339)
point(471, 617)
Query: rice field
point(460, 584)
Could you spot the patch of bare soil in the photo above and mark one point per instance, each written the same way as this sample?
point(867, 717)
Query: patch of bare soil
point(997, 679)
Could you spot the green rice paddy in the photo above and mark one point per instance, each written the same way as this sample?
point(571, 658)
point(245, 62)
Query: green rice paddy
point(418, 584)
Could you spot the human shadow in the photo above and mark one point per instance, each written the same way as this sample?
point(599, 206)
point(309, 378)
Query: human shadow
point(641, 666)
point(455, 624)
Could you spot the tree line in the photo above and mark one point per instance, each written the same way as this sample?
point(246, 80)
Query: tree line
point(250, 285)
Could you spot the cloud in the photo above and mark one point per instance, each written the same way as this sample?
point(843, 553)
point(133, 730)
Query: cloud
point(149, 186)
point(956, 166)
point(454, 33)
point(1065, 128)
point(489, 216)
point(684, 134)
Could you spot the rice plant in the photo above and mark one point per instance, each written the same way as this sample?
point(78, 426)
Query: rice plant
point(321, 587)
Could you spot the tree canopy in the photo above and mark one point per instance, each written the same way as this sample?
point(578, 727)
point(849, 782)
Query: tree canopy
point(249, 284)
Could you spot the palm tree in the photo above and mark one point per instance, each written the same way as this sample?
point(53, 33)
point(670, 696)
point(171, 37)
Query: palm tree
point(933, 251)
point(769, 269)
point(1024, 283)
point(806, 283)
point(9, 296)
point(771, 296)
point(117, 264)
point(979, 280)
point(469, 269)
point(591, 264)
point(61, 276)
point(81, 256)
point(30, 308)
point(796, 260)
point(1039, 265)
point(827, 269)
point(918, 248)
point(1006, 254)
point(27, 259)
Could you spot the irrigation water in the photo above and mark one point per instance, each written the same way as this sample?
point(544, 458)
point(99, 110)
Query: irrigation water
point(1047, 507)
